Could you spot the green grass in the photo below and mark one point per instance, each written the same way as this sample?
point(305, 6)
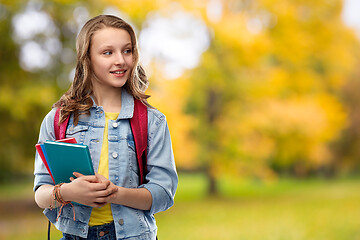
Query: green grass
point(286, 209)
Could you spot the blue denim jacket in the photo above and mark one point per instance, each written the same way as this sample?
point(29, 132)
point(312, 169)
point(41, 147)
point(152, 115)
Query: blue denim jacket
point(123, 169)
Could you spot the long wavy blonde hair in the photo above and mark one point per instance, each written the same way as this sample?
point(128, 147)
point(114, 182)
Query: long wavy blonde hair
point(77, 99)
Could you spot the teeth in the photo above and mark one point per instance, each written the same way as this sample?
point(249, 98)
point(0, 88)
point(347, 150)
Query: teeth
point(118, 72)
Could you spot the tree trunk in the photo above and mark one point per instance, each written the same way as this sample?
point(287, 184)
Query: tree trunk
point(212, 186)
point(212, 114)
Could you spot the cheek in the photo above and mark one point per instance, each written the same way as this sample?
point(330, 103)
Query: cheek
point(98, 66)
point(130, 61)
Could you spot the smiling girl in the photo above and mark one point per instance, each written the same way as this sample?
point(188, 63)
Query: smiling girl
point(100, 103)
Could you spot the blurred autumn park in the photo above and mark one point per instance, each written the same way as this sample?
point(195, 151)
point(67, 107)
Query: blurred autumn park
point(261, 98)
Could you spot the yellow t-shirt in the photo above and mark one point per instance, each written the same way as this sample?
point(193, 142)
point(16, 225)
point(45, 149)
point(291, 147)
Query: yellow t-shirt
point(103, 215)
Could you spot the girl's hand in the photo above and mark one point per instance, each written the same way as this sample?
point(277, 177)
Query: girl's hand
point(111, 197)
point(87, 190)
point(112, 188)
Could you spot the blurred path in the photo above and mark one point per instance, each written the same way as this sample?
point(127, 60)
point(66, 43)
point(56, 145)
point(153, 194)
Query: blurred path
point(17, 207)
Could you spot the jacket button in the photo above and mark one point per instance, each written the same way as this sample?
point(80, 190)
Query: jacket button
point(114, 154)
point(115, 125)
point(121, 221)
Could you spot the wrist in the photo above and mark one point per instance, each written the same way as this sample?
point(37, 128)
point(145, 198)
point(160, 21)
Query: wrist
point(63, 191)
point(116, 198)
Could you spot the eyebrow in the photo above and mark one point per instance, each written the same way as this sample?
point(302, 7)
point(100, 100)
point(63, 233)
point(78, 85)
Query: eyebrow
point(129, 43)
point(111, 46)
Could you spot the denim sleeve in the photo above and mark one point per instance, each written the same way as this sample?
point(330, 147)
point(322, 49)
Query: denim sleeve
point(46, 133)
point(162, 176)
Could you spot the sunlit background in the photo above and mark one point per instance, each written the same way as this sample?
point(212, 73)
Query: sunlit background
point(261, 97)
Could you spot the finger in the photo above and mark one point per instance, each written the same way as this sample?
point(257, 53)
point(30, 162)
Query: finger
point(104, 180)
point(106, 192)
point(108, 199)
point(101, 178)
point(76, 174)
point(89, 178)
point(99, 186)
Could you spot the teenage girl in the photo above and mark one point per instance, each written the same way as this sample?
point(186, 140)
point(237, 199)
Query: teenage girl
point(100, 102)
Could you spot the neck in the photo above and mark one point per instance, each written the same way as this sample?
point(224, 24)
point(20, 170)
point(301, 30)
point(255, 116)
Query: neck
point(109, 100)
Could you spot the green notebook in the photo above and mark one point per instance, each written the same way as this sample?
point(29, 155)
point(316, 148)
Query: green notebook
point(66, 158)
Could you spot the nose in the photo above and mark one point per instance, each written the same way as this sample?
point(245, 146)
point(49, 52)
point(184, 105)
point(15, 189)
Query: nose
point(119, 59)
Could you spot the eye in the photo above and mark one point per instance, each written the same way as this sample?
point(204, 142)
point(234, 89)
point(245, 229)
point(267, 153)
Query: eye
point(107, 53)
point(128, 51)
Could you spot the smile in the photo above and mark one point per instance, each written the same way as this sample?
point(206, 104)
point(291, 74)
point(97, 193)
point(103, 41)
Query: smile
point(118, 72)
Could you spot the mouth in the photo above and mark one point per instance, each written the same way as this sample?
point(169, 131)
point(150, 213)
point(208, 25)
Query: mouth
point(118, 72)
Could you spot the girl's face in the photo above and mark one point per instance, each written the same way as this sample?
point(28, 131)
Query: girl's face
point(111, 57)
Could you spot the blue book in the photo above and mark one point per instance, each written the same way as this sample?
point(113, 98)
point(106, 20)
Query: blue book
point(66, 158)
point(46, 157)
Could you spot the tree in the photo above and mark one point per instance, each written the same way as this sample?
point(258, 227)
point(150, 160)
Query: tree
point(266, 97)
point(27, 94)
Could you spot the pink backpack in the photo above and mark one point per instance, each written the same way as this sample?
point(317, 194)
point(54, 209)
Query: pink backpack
point(139, 130)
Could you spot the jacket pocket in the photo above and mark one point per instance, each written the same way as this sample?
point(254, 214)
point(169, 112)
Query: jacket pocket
point(78, 132)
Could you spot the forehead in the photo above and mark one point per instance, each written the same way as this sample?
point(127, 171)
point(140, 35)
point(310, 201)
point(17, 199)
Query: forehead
point(110, 36)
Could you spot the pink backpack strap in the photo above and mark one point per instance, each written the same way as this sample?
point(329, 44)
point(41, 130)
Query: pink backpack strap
point(60, 130)
point(139, 128)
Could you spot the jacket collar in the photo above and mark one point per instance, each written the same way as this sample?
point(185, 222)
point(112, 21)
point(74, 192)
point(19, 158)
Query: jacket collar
point(127, 105)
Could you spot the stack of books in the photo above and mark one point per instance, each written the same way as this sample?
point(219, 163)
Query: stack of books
point(64, 157)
